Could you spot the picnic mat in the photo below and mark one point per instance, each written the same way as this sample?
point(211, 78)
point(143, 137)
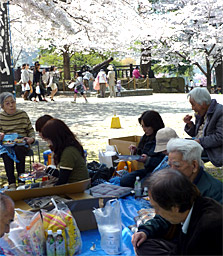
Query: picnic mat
point(129, 207)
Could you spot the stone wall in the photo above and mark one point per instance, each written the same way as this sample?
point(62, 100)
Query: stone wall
point(163, 85)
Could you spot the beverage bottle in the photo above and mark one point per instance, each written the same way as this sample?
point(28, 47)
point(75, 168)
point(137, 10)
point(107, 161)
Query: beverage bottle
point(137, 187)
point(50, 244)
point(60, 244)
point(145, 191)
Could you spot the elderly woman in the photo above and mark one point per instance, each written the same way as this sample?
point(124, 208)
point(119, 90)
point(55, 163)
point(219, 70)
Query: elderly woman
point(13, 120)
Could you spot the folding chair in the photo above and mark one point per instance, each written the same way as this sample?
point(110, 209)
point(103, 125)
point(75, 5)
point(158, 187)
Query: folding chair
point(30, 153)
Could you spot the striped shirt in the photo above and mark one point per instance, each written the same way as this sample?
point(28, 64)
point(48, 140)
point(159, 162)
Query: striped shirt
point(16, 123)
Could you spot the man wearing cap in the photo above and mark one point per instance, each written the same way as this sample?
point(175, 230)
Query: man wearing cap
point(185, 156)
point(13, 120)
point(111, 81)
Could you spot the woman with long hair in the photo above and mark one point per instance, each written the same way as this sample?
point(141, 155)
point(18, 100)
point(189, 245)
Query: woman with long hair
point(68, 153)
point(151, 122)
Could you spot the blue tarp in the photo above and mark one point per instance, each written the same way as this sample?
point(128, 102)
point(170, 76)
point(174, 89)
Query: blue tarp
point(129, 207)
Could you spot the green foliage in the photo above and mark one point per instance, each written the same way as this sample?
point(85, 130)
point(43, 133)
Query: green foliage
point(180, 70)
point(48, 57)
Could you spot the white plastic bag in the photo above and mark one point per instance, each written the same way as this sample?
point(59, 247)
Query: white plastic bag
point(108, 156)
point(110, 226)
point(37, 89)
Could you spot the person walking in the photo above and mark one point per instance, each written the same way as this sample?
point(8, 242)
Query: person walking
point(54, 80)
point(111, 81)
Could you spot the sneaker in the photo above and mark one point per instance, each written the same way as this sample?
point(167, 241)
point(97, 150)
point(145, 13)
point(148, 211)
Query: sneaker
point(52, 99)
point(12, 186)
point(73, 101)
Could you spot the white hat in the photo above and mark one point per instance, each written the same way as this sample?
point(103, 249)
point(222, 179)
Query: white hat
point(110, 67)
point(162, 137)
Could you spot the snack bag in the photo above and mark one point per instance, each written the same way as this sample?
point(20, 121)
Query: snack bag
point(61, 218)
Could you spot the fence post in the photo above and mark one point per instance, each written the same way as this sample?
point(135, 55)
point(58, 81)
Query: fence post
point(134, 83)
point(147, 82)
point(131, 69)
point(128, 83)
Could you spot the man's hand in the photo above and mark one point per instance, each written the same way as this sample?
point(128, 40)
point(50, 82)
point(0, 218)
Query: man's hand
point(138, 238)
point(187, 120)
point(38, 167)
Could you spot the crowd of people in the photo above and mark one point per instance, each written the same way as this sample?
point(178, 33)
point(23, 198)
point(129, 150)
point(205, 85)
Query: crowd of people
point(187, 200)
point(38, 83)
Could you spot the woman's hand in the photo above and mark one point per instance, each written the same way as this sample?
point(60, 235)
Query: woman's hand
point(132, 149)
point(38, 167)
point(143, 158)
point(29, 140)
point(2, 135)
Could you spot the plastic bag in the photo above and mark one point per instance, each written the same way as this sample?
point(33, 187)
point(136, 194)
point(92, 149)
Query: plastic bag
point(37, 89)
point(109, 156)
point(61, 218)
point(26, 234)
point(110, 226)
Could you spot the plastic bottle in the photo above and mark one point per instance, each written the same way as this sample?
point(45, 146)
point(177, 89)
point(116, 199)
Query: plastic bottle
point(50, 244)
point(145, 191)
point(60, 244)
point(137, 187)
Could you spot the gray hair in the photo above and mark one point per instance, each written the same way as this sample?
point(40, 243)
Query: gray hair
point(190, 149)
point(4, 96)
point(200, 95)
point(4, 200)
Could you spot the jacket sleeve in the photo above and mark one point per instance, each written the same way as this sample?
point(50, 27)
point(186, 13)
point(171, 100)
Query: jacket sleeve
point(190, 130)
point(215, 137)
point(156, 227)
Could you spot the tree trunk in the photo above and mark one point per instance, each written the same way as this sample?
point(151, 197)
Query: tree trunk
point(208, 74)
point(219, 76)
point(66, 64)
point(145, 60)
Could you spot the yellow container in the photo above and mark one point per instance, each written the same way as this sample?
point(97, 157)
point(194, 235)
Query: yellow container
point(115, 122)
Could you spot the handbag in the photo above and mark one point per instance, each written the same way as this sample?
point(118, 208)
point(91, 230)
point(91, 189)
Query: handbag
point(37, 89)
point(96, 85)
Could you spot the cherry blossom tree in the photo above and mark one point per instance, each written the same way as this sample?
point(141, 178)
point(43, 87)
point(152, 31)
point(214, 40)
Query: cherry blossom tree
point(169, 30)
point(72, 26)
point(188, 30)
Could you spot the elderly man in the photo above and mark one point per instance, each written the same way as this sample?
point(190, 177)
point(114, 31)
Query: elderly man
point(208, 127)
point(6, 213)
point(184, 156)
point(178, 201)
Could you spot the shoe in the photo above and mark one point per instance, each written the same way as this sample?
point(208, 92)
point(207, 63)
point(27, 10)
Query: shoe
point(12, 186)
point(52, 99)
point(86, 101)
point(73, 101)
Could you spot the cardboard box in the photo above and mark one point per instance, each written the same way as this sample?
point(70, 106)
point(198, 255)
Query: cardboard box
point(70, 190)
point(123, 144)
point(81, 205)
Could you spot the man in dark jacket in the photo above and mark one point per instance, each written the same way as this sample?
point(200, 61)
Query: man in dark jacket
point(178, 201)
point(208, 127)
point(185, 156)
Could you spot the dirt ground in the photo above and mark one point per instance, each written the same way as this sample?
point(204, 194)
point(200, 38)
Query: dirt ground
point(91, 121)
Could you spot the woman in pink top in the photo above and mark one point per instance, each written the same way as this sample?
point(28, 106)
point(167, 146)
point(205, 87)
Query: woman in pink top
point(136, 73)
